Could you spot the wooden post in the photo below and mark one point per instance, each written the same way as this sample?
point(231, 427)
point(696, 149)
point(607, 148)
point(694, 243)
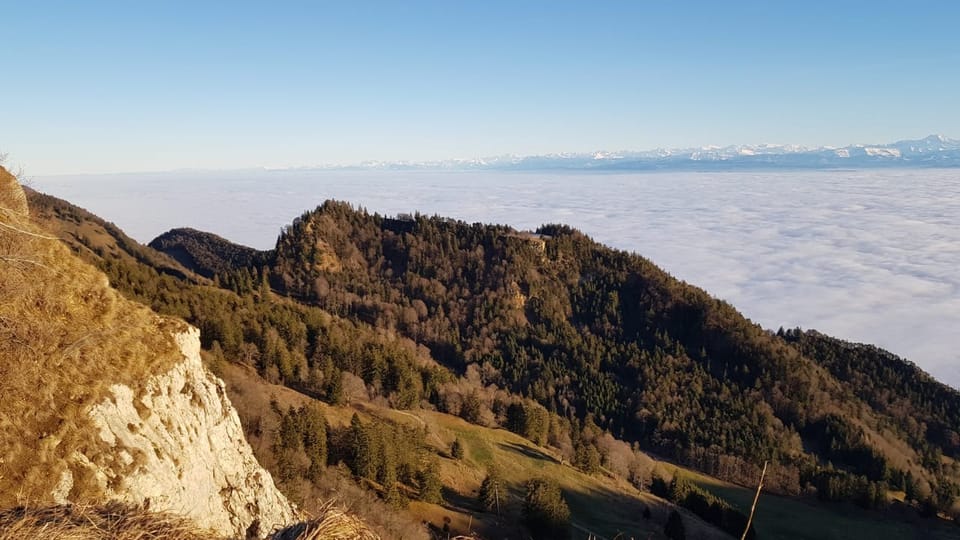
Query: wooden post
point(755, 499)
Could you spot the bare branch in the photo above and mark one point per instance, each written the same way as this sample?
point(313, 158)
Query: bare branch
point(19, 260)
point(21, 231)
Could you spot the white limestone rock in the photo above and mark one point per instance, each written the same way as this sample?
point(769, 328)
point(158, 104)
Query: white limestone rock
point(177, 445)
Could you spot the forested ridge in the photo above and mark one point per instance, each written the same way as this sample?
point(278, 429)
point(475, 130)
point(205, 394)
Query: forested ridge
point(587, 330)
point(562, 340)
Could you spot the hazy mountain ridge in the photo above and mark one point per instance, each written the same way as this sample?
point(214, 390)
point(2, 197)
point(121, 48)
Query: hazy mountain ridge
point(931, 151)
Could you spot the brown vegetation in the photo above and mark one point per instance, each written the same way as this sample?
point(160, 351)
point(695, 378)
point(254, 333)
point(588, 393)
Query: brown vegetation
point(110, 522)
point(62, 329)
point(123, 522)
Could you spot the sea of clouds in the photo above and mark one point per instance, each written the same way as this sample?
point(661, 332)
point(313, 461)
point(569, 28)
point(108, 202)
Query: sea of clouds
point(869, 256)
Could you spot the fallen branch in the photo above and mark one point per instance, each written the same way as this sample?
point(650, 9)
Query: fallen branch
point(755, 499)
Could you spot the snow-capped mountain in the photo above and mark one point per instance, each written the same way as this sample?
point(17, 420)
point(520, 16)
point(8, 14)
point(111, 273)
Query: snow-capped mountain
point(932, 151)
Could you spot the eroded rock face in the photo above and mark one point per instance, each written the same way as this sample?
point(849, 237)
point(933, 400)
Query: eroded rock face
point(178, 445)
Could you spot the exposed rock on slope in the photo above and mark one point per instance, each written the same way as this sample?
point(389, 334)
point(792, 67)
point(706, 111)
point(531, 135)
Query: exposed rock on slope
point(188, 450)
point(104, 400)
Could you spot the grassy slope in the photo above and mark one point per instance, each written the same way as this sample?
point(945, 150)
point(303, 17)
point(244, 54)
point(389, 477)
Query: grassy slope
point(787, 518)
point(598, 504)
point(601, 505)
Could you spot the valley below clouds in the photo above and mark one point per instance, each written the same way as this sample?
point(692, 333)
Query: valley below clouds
point(864, 255)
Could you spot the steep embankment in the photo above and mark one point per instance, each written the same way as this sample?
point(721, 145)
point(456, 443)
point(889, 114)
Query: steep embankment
point(105, 400)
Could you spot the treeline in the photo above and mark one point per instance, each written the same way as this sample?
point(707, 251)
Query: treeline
point(707, 506)
point(922, 410)
point(207, 254)
point(392, 459)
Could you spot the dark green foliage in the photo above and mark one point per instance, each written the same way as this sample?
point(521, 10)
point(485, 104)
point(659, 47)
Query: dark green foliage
point(431, 488)
point(492, 493)
point(842, 443)
point(361, 451)
point(587, 458)
point(208, 254)
point(314, 440)
point(876, 376)
point(674, 528)
point(528, 419)
point(471, 407)
point(705, 505)
point(545, 512)
point(456, 449)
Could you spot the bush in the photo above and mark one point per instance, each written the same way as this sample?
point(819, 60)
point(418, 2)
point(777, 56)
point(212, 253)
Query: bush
point(456, 449)
point(674, 528)
point(545, 512)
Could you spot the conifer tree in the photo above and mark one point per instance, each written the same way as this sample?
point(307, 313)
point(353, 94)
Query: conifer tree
point(431, 489)
point(456, 449)
point(545, 512)
point(674, 528)
point(491, 491)
point(314, 440)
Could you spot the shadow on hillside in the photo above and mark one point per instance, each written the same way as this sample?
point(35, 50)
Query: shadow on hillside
point(532, 453)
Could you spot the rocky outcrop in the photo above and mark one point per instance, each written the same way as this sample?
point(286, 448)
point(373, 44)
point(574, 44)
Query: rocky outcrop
point(177, 446)
point(12, 198)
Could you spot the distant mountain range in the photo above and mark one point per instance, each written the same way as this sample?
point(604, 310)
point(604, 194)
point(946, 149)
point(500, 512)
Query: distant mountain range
point(932, 151)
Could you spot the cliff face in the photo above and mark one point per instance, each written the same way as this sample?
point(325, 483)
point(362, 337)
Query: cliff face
point(104, 401)
point(178, 446)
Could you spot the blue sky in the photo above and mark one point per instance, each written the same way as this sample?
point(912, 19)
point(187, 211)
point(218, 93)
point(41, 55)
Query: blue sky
point(133, 86)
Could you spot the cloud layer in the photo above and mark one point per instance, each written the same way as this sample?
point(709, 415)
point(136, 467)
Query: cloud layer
point(868, 256)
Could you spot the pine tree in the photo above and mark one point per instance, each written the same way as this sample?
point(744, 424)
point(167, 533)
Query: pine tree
point(587, 458)
point(456, 449)
point(431, 489)
point(314, 440)
point(491, 491)
point(545, 512)
point(361, 456)
point(910, 487)
point(674, 528)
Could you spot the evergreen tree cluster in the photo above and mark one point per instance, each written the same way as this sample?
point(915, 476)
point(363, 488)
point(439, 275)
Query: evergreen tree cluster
point(710, 508)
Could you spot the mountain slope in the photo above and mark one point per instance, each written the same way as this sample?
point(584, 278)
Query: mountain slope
point(106, 401)
point(205, 253)
point(589, 332)
point(585, 329)
point(95, 238)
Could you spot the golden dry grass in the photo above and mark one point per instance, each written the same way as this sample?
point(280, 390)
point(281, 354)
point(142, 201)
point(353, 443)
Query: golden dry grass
point(65, 337)
point(124, 522)
point(333, 523)
point(110, 522)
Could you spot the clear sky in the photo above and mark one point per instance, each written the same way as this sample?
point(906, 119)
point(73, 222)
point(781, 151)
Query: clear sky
point(133, 86)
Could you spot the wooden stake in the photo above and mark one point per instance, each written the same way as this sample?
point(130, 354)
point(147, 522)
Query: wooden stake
point(755, 499)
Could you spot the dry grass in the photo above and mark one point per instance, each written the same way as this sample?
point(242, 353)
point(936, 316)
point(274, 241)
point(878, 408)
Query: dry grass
point(110, 522)
point(123, 522)
point(65, 337)
point(333, 523)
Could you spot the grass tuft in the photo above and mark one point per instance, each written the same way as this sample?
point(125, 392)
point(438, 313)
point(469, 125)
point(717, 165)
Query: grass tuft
point(82, 522)
point(333, 523)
